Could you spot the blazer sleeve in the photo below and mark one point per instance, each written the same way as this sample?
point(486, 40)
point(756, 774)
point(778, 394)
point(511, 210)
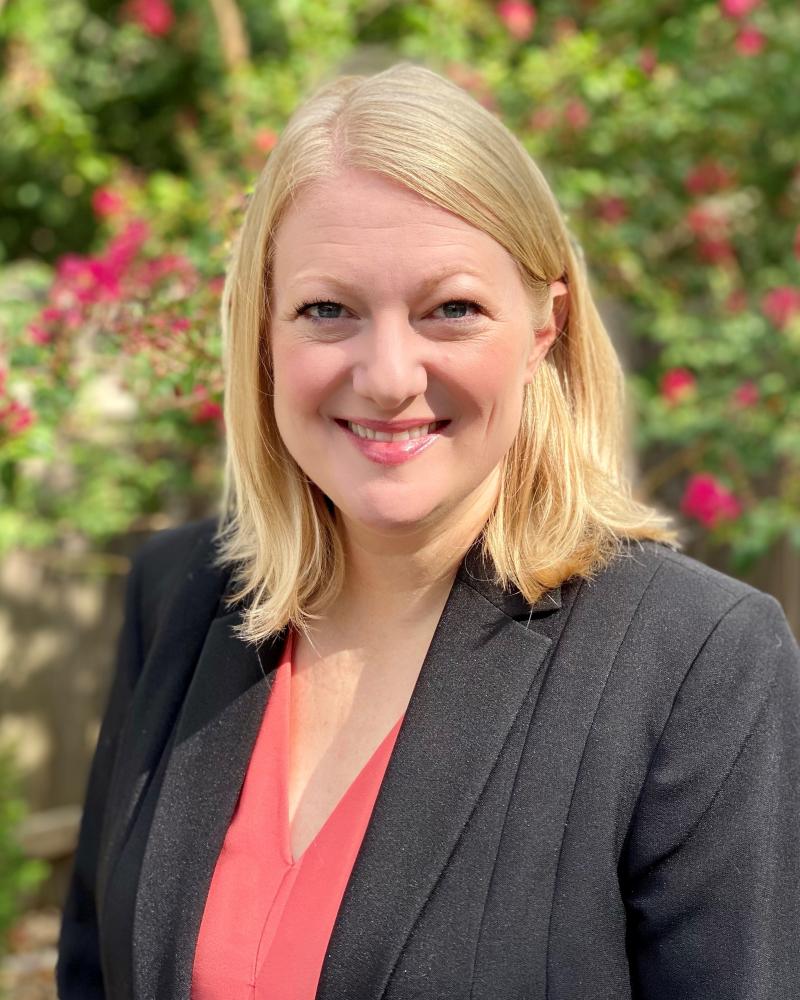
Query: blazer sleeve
point(711, 868)
point(78, 971)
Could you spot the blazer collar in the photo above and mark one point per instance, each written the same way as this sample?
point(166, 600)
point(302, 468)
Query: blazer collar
point(484, 662)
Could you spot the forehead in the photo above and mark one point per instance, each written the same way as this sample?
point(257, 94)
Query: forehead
point(365, 220)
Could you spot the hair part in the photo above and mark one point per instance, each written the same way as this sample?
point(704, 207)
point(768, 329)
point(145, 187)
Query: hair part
point(565, 504)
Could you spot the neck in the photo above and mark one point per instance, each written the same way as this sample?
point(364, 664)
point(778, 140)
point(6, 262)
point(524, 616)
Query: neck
point(407, 577)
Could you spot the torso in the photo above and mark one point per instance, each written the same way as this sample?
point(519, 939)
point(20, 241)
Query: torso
point(344, 702)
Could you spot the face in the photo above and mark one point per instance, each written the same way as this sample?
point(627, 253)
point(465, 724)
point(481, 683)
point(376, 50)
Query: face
point(389, 310)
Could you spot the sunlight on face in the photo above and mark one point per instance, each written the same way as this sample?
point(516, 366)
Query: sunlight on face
point(386, 307)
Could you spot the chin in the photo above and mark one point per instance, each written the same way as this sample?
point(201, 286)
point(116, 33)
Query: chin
point(388, 519)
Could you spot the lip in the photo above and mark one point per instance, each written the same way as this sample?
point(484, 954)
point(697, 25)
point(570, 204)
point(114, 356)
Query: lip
point(391, 452)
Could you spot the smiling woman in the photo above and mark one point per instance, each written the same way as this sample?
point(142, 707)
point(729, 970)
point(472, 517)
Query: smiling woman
point(435, 707)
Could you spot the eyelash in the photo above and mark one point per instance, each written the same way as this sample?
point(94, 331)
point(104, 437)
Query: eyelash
point(301, 309)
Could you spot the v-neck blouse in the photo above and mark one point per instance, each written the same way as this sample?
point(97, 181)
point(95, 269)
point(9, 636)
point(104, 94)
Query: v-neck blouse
point(268, 918)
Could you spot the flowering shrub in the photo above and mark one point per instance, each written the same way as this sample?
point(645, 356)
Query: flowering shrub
point(667, 139)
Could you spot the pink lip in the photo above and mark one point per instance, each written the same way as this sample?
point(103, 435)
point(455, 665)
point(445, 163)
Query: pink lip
point(390, 452)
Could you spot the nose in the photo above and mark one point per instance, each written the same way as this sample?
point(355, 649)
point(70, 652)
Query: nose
point(389, 368)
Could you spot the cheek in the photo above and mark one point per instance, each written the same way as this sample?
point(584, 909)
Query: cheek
point(493, 376)
point(303, 375)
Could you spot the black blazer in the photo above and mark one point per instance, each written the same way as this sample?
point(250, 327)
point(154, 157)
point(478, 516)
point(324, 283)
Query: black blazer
point(594, 798)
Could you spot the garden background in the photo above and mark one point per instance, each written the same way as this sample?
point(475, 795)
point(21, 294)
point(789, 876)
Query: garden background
point(132, 134)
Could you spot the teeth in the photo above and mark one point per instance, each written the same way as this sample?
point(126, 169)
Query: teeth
point(367, 432)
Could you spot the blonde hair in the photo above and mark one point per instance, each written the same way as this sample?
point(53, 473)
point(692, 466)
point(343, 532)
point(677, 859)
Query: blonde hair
point(565, 503)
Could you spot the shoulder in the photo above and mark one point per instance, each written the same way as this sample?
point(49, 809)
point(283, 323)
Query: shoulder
point(668, 581)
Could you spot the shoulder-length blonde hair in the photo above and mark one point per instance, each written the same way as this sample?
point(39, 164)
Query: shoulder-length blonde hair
point(565, 503)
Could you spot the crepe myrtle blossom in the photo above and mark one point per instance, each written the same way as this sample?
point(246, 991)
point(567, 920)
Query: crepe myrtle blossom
point(781, 305)
point(745, 395)
point(707, 177)
point(750, 41)
point(738, 8)
point(15, 417)
point(677, 384)
point(156, 17)
point(706, 500)
point(518, 16)
point(107, 203)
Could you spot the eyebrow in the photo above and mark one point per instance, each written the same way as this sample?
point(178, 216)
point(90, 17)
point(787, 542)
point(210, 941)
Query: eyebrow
point(427, 285)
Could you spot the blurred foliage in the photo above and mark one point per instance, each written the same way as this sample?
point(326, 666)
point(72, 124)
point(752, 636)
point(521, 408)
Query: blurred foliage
point(19, 875)
point(134, 131)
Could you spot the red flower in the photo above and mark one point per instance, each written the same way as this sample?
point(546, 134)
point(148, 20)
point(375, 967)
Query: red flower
point(781, 304)
point(156, 17)
point(648, 60)
point(677, 384)
point(746, 394)
point(611, 209)
point(738, 8)
point(749, 41)
point(106, 202)
point(708, 221)
point(206, 409)
point(707, 177)
point(15, 417)
point(577, 114)
point(265, 139)
point(518, 16)
point(718, 251)
point(708, 501)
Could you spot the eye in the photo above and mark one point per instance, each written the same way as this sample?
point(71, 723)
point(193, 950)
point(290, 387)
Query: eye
point(455, 308)
point(327, 310)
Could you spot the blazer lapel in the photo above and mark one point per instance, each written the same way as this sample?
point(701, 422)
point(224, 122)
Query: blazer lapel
point(485, 657)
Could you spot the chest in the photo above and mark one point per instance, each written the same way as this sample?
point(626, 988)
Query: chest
point(342, 707)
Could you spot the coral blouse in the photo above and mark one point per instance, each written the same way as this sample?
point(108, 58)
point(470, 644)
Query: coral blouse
point(268, 918)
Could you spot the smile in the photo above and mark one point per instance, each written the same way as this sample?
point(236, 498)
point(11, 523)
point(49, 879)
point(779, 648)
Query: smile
point(384, 448)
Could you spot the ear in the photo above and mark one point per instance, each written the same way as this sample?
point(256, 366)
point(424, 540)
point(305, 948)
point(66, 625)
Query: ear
point(544, 337)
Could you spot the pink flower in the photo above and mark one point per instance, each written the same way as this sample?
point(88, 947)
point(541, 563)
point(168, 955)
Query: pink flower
point(707, 177)
point(15, 417)
point(265, 140)
point(648, 60)
point(611, 209)
point(677, 384)
point(780, 305)
point(749, 41)
point(577, 114)
point(708, 221)
point(518, 16)
point(708, 501)
point(716, 251)
point(156, 17)
point(180, 324)
point(206, 409)
point(737, 8)
point(39, 334)
point(106, 202)
point(746, 394)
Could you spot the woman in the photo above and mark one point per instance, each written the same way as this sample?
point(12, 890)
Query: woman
point(442, 712)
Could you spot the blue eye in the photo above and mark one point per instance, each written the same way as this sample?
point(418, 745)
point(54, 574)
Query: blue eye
point(460, 305)
point(327, 310)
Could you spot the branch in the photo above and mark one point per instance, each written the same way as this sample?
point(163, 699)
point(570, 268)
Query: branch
point(232, 33)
